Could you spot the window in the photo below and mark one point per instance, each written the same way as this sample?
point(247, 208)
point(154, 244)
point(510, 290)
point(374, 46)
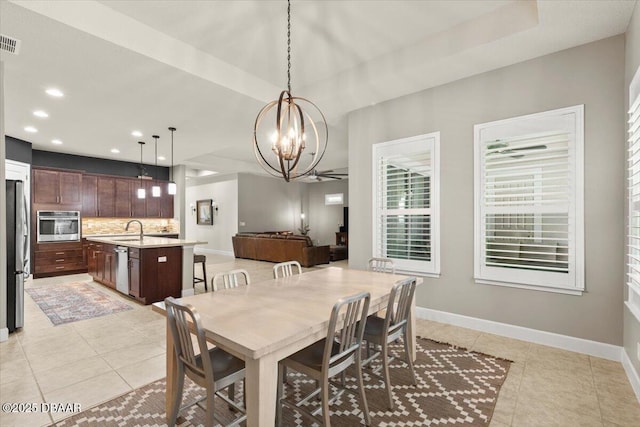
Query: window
point(406, 227)
point(633, 241)
point(529, 201)
point(334, 199)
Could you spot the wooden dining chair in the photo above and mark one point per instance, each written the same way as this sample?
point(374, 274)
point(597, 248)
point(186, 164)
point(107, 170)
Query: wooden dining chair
point(230, 279)
point(285, 269)
point(383, 331)
point(381, 265)
point(329, 357)
point(213, 369)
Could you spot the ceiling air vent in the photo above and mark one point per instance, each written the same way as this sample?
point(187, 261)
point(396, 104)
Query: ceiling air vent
point(9, 44)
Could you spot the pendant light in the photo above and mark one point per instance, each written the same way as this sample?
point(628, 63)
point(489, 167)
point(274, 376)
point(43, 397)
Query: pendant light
point(155, 189)
point(142, 193)
point(279, 148)
point(172, 187)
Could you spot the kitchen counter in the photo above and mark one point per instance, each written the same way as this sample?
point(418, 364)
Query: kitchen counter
point(133, 241)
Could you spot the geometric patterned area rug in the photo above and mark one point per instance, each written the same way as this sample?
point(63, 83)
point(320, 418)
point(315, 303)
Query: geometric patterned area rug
point(70, 302)
point(455, 387)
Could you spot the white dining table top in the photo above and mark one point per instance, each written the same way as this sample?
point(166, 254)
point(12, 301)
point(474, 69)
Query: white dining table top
point(251, 321)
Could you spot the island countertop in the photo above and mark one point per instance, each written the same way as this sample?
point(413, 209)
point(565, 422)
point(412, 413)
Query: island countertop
point(145, 242)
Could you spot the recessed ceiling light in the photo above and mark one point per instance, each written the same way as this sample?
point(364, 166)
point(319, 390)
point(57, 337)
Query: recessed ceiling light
point(115, 150)
point(136, 133)
point(30, 129)
point(56, 141)
point(41, 114)
point(161, 158)
point(54, 92)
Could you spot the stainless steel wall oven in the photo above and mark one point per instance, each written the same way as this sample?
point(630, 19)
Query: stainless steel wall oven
point(58, 226)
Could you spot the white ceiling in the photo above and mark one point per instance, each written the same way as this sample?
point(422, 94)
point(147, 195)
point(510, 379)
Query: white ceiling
point(207, 67)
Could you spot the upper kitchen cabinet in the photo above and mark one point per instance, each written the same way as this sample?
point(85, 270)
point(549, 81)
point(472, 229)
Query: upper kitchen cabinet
point(89, 196)
point(57, 187)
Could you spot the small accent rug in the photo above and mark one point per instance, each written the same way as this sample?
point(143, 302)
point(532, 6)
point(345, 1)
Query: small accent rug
point(70, 302)
point(456, 387)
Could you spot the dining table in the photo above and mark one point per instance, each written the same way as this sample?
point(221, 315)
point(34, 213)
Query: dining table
point(265, 322)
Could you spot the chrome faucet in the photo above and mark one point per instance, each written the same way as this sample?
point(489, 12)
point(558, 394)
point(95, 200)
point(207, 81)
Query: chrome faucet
point(129, 223)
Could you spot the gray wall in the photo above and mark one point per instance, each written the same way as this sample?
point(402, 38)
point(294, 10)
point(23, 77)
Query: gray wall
point(325, 220)
point(269, 204)
point(591, 74)
point(632, 60)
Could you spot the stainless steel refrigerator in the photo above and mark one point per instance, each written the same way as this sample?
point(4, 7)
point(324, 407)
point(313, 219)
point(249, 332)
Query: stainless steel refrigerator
point(17, 238)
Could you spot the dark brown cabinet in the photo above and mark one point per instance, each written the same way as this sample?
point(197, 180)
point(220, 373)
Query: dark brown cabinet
point(106, 196)
point(58, 258)
point(118, 198)
point(123, 196)
point(56, 187)
point(89, 196)
point(101, 263)
point(160, 274)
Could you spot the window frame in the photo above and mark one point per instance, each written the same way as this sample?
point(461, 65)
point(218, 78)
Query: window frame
point(424, 268)
point(574, 281)
point(633, 287)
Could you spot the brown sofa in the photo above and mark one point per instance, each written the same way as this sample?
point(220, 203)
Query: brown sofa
point(279, 248)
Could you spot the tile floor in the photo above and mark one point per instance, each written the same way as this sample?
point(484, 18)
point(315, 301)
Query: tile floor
point(92, 361)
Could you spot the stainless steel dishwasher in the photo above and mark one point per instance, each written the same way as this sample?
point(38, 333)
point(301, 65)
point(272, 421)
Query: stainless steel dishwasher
point(122, 269)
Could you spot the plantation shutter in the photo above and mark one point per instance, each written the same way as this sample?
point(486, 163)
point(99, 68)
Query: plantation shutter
point(633, 272)
point(405, 221)
point(527, 203)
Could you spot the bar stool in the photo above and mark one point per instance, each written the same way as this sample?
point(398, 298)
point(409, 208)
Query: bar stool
point(202, 259)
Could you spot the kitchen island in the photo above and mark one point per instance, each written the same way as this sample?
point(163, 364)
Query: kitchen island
point(148, 269)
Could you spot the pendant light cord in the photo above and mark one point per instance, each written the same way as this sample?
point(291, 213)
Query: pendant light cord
point(289, 46)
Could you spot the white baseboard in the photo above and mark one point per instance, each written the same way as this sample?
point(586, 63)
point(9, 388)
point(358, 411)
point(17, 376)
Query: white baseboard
point(632, 374)
point(188, 292)
point(565, 342)
point(4, 334)
point(213, 251)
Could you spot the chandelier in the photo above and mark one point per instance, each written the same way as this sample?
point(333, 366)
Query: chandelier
point(300, 128)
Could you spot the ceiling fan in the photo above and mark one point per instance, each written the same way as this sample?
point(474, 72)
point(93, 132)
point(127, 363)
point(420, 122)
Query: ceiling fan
point(319, 175)
point(503, 148)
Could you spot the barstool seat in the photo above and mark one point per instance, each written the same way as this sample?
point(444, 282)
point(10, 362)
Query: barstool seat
point(200, 259)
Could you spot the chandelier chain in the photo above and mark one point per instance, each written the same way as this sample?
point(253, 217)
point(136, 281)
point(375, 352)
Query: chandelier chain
point(289, 45)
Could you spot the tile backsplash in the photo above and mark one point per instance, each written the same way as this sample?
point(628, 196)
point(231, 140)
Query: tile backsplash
point(91, 226)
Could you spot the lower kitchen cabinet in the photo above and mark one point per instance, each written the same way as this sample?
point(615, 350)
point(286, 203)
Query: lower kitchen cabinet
point(101, 263)
point(53, 259)
point(155, 273)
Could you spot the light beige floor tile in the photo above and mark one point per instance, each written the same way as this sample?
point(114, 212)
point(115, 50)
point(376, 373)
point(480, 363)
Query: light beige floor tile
point(23, 390)
point(34, 419)
point(116, 341)
point(551, 357)
point(559, 389)
point(535, 413)
point(11, 354)
point(61, 357)
point(129, 356)
point(88, 393)
point(462, 337)
point(496, 423)
point(30, 335)
point(621, 412)
point(73, 373)
point(101, 327)
point(15, 370)
point(48, 345)
point(506, 348)
point(144, 372)
point(140, 316)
